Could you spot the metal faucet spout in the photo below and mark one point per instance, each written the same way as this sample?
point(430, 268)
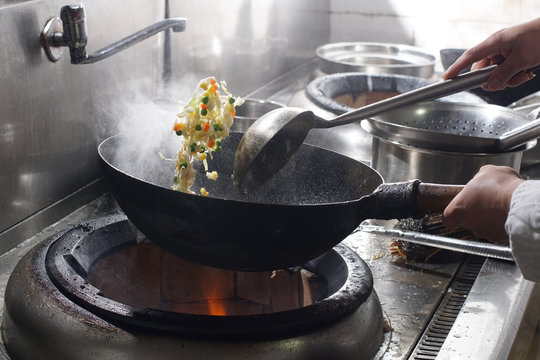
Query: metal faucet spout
point(70, 30)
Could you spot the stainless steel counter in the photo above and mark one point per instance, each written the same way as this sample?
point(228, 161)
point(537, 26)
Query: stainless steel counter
point(488, 323)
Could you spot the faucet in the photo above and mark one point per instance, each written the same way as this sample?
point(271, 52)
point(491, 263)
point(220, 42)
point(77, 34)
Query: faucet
point(70, 31)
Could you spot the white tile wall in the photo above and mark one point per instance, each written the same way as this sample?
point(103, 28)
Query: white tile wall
point(381, 28)
point(430, 24)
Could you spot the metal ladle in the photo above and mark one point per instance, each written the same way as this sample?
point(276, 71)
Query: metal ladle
point(273, 139)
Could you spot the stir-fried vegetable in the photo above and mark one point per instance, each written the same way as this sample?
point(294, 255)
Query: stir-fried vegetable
point(203, 123)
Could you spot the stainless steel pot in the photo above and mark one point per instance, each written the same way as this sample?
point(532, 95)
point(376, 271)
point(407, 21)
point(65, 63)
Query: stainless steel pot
point(376, 58)
point(404, 155)
point(397, 162)
point(250, 111)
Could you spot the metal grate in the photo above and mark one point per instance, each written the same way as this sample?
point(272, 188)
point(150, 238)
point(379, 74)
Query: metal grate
point(437, 330)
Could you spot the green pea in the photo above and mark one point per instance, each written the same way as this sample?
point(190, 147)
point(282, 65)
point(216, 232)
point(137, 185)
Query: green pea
point(193, 147)
point(204, 112)
point(217, 127)
point(183, 164)
point(231, 100)
point(198, 127)
point(204, 100)
point(179, 132)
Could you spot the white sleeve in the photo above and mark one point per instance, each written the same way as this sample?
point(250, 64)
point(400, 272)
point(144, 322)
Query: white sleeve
point(523, 228)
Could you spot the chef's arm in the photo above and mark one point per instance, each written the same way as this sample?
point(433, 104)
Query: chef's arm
point(523, 227)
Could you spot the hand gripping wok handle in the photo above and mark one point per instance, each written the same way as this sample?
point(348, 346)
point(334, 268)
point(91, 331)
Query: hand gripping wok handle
point(407, 199)
point(433, 198)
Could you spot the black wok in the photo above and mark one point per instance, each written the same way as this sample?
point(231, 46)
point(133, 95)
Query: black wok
point(311, 205)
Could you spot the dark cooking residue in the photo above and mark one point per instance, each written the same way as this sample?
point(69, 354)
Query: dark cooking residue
point(431, 224)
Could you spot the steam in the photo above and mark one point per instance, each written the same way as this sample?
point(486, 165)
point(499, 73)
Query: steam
point(146, 127)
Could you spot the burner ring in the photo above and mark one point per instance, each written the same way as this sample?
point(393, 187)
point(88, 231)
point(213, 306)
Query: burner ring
point(40, 321)
point(70, 257)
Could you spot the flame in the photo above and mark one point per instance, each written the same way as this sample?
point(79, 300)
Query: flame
point(216, 303)
point(216, 307)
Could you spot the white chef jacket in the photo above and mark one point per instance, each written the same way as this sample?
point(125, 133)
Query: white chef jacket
point(523, 228)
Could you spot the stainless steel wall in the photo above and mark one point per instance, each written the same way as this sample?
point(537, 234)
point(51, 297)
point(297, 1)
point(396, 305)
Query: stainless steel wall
point(53, 115)
point(248, 42)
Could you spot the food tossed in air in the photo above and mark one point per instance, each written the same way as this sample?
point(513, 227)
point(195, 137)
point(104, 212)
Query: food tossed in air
point(203, 123)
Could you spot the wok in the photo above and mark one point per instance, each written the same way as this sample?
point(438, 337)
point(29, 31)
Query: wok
point(311, 205)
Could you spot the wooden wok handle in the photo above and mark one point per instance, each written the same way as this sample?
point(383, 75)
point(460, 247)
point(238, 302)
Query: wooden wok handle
point(433, 198)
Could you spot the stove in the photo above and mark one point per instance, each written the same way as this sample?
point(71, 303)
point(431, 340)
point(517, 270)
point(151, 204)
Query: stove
point(448, 306)
point(86, 278)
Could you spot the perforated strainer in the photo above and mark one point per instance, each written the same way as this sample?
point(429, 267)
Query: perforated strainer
point(456, 127)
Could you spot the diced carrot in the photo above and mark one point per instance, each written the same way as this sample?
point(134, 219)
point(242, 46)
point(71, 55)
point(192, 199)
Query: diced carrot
point(203, 106)
point(233, 113)
point(177, 127)
point(206, 126)
point(211, 143)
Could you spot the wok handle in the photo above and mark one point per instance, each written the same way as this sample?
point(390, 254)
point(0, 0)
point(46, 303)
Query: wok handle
point(433, 198)
point(407, 199)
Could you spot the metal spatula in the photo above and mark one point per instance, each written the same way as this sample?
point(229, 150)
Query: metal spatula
point(443, 242)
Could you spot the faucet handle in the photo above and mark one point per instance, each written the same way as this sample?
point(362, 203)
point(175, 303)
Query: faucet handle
point(75, 34)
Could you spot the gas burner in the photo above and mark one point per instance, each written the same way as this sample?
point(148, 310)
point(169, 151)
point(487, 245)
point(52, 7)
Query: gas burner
point(76, 294)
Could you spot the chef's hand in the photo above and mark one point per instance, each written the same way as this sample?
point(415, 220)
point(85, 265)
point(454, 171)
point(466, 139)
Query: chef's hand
point(483, 205)
point(515, 49)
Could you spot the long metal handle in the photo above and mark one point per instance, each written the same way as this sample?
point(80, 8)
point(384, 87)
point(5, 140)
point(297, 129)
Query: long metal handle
point(521, 134)
point(443, 242)
point(467, 81)
point(463, 82)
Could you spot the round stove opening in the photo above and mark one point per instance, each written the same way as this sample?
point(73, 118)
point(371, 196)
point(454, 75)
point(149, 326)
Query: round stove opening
point(102, 290)
point(358, 100)
point(144, 275)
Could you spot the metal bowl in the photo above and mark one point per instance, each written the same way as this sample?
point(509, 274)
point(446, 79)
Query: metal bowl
point(250, 111)
point(376, 58)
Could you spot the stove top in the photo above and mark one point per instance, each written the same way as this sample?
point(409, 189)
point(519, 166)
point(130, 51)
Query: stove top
point(409, 292)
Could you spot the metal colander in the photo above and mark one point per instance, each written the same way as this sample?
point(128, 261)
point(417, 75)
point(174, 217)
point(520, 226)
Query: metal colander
point(456, 127)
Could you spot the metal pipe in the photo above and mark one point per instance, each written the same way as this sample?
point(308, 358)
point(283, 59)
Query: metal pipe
point(442, 242)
